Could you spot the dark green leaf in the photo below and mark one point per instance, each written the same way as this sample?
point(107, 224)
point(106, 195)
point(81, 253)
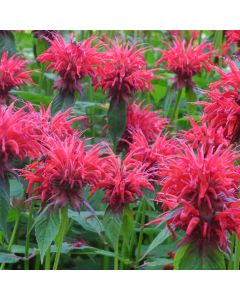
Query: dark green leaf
point(46, 230)
point(4, 203)
point(189, 257)
point(62, 101)
point(7, 42)
point(8, 258)
point(112, 227)
point(117, 116)
point(32, 97)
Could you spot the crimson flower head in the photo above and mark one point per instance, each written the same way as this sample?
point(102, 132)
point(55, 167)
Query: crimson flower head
point(152, 155)
point(122, 181)
point(199, 196)
point(58, 179)
point(16, 140)
point(229, 79)
point(13, 74)
point(223, 113)
point(143, 119)
point(45, 125)
point(206, 136)
point(72, 61)
point(232, 38)
point(186, 60)
point(124, 71)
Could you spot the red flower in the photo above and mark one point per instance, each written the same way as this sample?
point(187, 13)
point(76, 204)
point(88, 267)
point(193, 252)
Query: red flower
point(233, 38)
point(72, 61)
point(200, 190)
point(202, 135)
point(60, 176)
point(13, 74)
point(230, 79)
point(16, 140)
point(45, 125)
point(124, 71)
point(122, 181)
point(143, 119)
point(186, 60)
point(223, 113)
point(152, 156)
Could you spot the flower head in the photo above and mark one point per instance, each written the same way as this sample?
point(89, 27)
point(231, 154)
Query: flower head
point(66, 168)
point(13, 74)
point(223, 113)
point(206, 136)
point(71, 61)
point(143, 119)
point(200, 190)
point(122, 181)
point(186, 60)
point(124, 71)
point(16, 140)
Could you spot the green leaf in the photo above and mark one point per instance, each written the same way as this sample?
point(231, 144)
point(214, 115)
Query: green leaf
point(190, 97)
point(87, 221)
point(188, 257)
point(7, 42)
point(46, 230)
point(8, 258)
point(39, 46)
point(117, 118)
point(112, 227)
point(159, 239)
point(127, 224)
point(169, 100)
point(4, 203)
point(32, 97)
point(62, 101)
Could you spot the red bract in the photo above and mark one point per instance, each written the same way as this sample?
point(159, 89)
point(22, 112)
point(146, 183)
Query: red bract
point(200, 190)
point(13, 74)
point(45, 125)
point(71, 61)
point(124, 71)
point(186, 60)
point(223, 113)
point(152, 156)
point(202, 135)
point(143, 119)
point(229, 79)
point(122, 181)
point(60, 176)
point(16, 140)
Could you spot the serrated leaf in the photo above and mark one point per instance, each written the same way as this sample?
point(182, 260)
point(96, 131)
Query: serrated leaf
point(117, 118)
point(4, 203)
point(87, 221)
point(8, 258)
point(112, 227)
point(46, 230)
point(159, 239)
point(189, 257)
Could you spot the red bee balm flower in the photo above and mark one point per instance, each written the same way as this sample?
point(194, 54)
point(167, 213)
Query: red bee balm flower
point(67, 167)
point(186, 60)
point(143, 119)
point(122, 181)
point(12, 75)
point(201, 189)
point(16, 140)
point(71, 61)
point(124, 71)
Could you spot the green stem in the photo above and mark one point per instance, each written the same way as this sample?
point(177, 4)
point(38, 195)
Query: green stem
point(176, 107)
point(48, 259)
point(37, 261)
point(105, 260)
point(230, 263)
point(116, 256)
point(237, 254)
point(13, 235)
point(60, 237)
point(27, 244)
point(140, 240)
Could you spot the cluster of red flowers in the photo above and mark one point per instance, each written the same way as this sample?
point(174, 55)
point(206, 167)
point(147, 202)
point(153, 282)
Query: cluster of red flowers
point(196, 170)
point(13, 74)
